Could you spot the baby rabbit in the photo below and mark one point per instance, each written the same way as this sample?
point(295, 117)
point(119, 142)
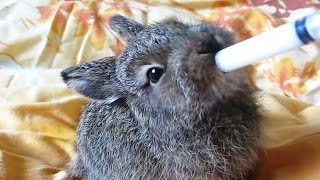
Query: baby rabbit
point(162, 110)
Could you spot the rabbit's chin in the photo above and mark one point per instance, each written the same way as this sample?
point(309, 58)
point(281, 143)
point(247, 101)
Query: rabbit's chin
point(218, 90)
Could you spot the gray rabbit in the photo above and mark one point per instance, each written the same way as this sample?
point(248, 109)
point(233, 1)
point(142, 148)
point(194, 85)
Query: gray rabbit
point(162, 110)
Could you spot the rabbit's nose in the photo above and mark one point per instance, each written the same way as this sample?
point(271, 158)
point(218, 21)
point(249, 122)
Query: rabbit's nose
point(205, 43)
point(67, 73)
point(64, 75)
point(204, 47)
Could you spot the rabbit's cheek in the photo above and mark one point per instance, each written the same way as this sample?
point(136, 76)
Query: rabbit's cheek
point(76, 84)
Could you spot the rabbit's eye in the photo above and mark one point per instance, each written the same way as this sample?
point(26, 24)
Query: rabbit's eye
point(154, 74)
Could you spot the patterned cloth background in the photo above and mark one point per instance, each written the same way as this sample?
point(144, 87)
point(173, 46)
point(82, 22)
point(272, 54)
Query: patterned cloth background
point(38, 114)
point(61, 33)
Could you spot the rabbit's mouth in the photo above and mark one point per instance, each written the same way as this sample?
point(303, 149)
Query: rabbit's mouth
point(200, 80)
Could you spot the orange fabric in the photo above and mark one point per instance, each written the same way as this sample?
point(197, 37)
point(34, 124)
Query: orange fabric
point(296, 160)
point(39, 114)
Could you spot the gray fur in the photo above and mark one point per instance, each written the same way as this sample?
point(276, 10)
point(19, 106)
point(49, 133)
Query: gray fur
point(195, 123)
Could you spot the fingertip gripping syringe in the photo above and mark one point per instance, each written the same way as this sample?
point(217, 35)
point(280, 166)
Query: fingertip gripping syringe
point(281, 39)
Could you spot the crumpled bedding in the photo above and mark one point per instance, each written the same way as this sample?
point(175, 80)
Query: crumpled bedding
point(39, 114)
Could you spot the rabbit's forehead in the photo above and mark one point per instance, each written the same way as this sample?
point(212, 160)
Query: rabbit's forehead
point(155, 38)
point(152, 44)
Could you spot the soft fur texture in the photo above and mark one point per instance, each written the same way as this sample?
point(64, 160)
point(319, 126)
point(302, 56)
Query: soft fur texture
point(194, 123)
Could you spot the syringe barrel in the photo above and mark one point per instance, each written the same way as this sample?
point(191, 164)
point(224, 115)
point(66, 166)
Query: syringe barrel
point(267, 44)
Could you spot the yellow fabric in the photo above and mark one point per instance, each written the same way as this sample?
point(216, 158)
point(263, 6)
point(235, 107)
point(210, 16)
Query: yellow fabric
point(38, 114)
point(37, 135)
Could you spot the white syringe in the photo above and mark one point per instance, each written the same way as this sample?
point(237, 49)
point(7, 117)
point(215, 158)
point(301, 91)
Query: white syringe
point(281, 39)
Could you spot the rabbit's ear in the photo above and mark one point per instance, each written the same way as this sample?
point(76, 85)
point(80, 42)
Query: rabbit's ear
point(125, 27)
point(95, 79)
